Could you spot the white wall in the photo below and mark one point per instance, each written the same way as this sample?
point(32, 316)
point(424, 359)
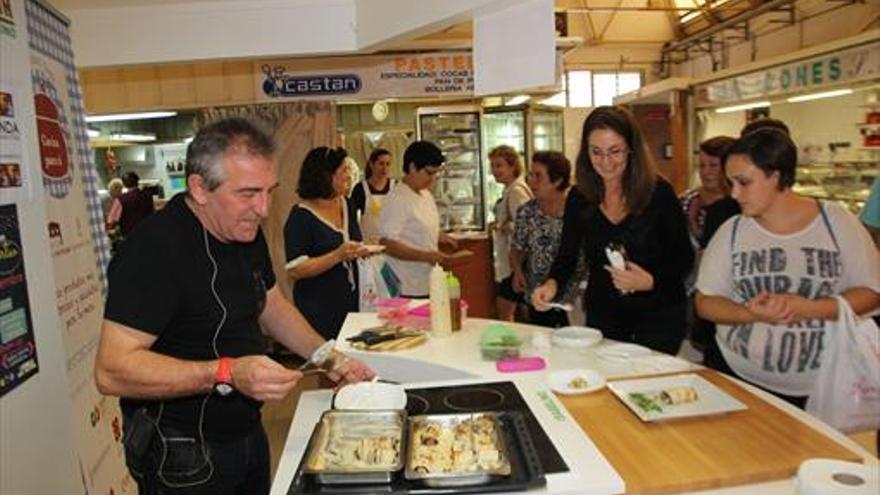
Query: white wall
point(36, 442)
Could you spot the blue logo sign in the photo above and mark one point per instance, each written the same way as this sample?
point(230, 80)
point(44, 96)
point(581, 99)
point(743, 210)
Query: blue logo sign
point(279, 84)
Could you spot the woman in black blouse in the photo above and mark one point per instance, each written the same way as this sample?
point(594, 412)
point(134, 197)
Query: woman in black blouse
point(630, 206)
point(322, 241)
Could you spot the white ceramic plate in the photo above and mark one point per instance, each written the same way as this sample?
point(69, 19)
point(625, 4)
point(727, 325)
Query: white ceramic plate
point(575, 337)
point(561, 381)
point(642, 397)
point(370, 396)
point(623, 351)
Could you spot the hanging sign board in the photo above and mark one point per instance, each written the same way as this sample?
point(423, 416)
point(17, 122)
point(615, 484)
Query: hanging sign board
point(434, 74)
point(851, 65)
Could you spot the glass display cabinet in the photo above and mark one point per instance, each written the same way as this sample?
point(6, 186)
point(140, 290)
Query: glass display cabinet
point(459, 188)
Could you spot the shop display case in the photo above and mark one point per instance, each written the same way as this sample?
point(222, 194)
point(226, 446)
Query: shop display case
point(466, 190)
point(527, 128)
point(459, 188)
point(848, 174)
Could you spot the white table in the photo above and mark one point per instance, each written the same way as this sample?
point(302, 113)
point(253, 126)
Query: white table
point(456, 360)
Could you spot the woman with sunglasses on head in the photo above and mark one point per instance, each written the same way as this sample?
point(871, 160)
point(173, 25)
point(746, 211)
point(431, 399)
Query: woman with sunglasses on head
point(322, 241)
point(768, 276)
point(633, 234)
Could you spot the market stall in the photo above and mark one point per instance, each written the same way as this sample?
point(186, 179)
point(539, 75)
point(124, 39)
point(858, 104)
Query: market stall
point(829, 96)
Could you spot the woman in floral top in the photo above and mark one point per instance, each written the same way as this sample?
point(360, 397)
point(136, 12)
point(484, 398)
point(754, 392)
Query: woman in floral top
point(538, 232)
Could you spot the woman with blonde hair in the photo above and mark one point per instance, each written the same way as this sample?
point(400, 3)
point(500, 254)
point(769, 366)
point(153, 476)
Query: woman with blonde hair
point(507, 169)
point(633, 234)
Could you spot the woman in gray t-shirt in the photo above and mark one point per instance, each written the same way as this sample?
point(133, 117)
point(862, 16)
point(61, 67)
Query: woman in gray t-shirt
point(768, 276)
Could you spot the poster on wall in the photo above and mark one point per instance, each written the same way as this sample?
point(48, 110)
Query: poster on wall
point(18, 354)
point(78, 295)
point(11, 158)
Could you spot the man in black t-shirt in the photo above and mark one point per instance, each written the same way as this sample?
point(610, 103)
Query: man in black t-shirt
point(191, 293)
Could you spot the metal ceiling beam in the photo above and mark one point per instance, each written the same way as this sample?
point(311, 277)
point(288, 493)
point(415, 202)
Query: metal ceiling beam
point(729, 23)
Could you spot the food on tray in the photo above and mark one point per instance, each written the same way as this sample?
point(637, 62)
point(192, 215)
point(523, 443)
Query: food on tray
point(673, 396)
point(353, 453)
point(578, 382)
point(470, 445)
point(354, 444)
point(679, 395)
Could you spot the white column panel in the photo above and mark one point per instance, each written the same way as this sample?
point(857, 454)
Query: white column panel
point(189, 31)
point(514, 48)
point(36, 442)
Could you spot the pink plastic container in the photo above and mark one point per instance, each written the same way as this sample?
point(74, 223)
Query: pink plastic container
point(513, 365)
point(392, 308)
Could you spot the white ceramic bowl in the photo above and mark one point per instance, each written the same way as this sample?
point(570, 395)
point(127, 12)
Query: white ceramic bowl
point(575, 337)
point(370, 396)
point(562, 381)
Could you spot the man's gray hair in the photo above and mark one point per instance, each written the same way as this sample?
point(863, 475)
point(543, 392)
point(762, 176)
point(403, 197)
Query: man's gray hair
point(204, 155)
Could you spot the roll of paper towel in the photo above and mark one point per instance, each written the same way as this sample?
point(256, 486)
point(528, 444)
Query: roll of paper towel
point(833, 477)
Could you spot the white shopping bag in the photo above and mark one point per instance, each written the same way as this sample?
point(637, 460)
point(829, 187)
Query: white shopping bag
point(847, 391)
point(376, 281)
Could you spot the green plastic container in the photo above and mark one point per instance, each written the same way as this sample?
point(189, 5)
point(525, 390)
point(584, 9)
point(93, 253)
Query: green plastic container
point(499, 342)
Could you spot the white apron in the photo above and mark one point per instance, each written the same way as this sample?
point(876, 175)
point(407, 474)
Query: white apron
point(372, 209)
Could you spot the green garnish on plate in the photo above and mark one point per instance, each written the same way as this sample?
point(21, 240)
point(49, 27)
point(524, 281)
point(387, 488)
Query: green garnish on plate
point(645, 402)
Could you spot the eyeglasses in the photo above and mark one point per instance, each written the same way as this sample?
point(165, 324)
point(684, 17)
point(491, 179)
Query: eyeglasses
point(615, 153)
point(432, 171)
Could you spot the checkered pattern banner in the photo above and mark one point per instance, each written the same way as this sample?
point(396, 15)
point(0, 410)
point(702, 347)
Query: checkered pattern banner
point(49, 36)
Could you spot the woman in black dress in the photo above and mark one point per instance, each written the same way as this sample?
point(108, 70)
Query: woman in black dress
point(630, 208)
point(322, 242)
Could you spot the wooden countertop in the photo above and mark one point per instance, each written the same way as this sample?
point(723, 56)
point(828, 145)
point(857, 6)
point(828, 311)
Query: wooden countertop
point(762, 443)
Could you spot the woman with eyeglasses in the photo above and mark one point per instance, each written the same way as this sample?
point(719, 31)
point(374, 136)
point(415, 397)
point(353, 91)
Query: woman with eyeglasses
point(538, 231)
point(633, 234)
point(322, 242)
point(409, 225)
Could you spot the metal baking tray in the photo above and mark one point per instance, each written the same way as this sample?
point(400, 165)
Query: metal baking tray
point(448, 450)
point(526, 471)
point(356, 447)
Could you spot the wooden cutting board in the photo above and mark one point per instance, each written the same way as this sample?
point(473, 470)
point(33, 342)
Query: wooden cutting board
point(762, 443)
point(398, 344)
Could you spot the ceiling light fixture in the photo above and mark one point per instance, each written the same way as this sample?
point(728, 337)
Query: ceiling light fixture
point(129, 116)
point(132, 137)
point(818, 96)
point(744, 106)
point(557, 100)
point(517, 100)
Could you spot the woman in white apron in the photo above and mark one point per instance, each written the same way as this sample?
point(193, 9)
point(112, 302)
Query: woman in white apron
point(368, 195)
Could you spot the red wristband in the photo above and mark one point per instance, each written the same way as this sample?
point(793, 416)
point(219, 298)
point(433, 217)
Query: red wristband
point(224, 371)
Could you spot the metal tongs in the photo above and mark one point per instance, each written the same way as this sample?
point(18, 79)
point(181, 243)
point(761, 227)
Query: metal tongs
point(318, 359)
point(373, 336)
